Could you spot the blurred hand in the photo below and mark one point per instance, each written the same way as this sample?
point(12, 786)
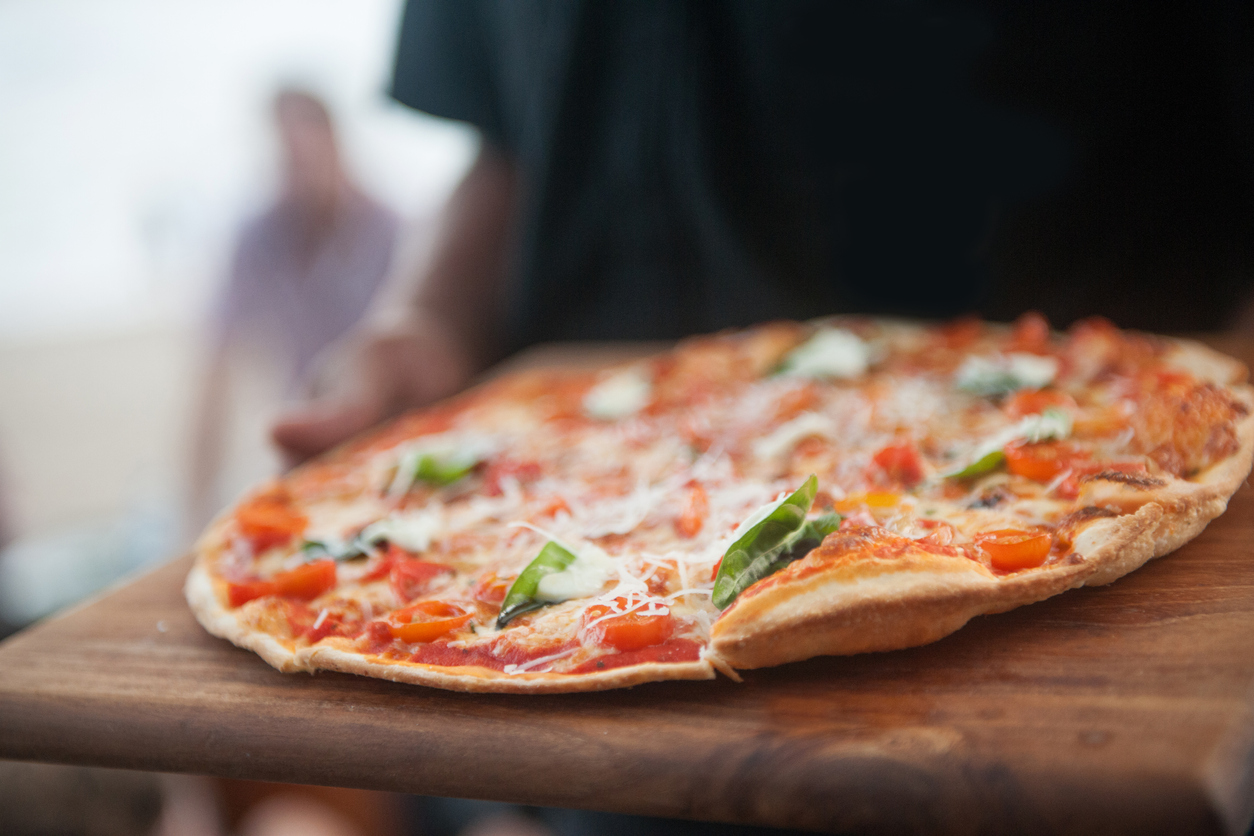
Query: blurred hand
point(371, 376)
point(447, 297)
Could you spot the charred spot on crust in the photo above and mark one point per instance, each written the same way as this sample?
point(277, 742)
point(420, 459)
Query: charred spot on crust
point(1140, 481)
point(1089, 512)
point(990, 498)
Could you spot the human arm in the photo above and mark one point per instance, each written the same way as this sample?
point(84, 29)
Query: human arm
point(432, 326)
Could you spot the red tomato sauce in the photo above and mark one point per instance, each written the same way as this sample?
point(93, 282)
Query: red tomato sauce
point(439, 653)
point(675, 650)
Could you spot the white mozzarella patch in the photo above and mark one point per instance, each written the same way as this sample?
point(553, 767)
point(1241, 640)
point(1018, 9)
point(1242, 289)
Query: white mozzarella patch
point(413, 532)
point(830, 353)
point(591, 569)
point(1050, 425)
point(1003, 373)
point(583, 578)
point(619, 396)
point(454, 449)
point(1033, 371)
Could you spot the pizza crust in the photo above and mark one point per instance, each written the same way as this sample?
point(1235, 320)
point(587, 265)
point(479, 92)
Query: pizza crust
point(1204, 363)
point(867, 604)
point(486, 680)
point(205, 600)
point(202, 596)
point(1187, 506)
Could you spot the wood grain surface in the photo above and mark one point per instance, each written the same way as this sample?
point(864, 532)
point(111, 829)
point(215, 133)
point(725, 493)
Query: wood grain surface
point(1123, 709)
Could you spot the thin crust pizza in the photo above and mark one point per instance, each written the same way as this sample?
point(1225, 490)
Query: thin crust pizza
point(744, 500)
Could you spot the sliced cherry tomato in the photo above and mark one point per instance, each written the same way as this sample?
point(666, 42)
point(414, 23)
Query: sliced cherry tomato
point(1011, 549)
point(304, 583)
point(381, 569)
point(269, 520)
point(901, 463)
point(426, 621)
point(410, 577)
point(1043, 461)
point(696, 509)
point(1036, 401)
point(307, 581)
point(960, 333)
point(631, 631)
point(490, 589)
point(1030, 333)
point(242, 592)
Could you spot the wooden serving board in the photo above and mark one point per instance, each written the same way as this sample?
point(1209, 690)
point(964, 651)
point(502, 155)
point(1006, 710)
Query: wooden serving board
point(1123, 709)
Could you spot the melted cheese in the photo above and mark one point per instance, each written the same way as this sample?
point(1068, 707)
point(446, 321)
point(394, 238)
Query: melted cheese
point(786, 437)
point(453, 449)
point(620, 396)
point(583, 578)
point(1005, 373)
point(830, 353)
point(413, 532)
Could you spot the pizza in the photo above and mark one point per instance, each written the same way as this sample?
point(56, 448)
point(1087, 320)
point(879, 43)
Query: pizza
point(743, 500)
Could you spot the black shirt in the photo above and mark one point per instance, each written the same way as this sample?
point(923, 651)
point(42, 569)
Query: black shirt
point(689, 166)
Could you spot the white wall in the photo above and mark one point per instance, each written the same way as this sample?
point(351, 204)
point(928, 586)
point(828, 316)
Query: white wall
point(134, 137)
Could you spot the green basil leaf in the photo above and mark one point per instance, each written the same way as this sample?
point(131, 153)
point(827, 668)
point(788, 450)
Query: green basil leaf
point(758, 551)
point(820, 527)
point(443, 470)
point(521, 596)
point(985, 464)
point(349, 550)
point(991, 384)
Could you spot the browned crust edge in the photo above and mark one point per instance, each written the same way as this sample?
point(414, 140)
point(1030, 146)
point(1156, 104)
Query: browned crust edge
point(486, 680)
point(203, 598)
point(845, 612)
point(832, 614)
point(1205, 363)
point(828, 614)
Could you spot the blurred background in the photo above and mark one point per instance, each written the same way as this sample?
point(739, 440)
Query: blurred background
point(186, 189)
point(137, 141)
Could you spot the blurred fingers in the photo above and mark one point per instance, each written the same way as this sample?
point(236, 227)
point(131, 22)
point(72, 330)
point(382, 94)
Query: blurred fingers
point(308, 430)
